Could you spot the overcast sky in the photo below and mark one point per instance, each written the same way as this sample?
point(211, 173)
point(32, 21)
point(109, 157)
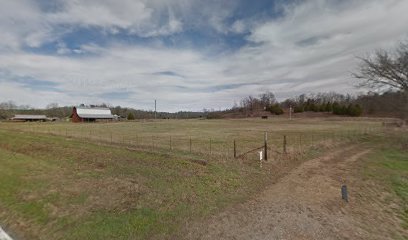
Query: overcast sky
point(187, 54)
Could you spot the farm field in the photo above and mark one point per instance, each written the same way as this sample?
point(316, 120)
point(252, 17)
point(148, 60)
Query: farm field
point(140, 180)
point(210, 137)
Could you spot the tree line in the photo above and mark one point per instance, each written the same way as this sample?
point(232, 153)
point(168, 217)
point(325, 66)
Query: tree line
point(387, 104)
point(10, 108)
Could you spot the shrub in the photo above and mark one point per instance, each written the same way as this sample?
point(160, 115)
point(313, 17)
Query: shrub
point(298, 109)
point(336, 108)
point(276, 109)
point(130, 116)
point(354, 110)
point(329, 107)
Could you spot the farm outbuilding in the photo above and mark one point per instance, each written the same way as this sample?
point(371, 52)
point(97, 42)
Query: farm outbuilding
point(30, 118)
point(91, 114)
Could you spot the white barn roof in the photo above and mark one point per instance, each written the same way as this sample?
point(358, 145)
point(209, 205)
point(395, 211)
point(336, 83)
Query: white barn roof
point(29, 117)
point(97, 113)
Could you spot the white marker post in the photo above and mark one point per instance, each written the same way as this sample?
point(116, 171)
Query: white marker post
point(290, 112)
point(260, 159)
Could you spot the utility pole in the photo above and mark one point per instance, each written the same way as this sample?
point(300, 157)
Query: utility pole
point(155, 110)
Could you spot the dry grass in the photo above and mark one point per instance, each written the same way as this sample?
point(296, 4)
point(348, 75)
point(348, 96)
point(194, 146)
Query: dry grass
point(69, 181)
point(207, 137)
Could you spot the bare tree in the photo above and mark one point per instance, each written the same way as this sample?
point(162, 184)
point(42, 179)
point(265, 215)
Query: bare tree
point(267, 99)
point(386, 69)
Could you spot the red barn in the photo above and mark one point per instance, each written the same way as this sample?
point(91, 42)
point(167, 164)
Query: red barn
point(87, 114)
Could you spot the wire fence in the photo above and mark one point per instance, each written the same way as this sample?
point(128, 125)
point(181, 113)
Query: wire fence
point(229, 147)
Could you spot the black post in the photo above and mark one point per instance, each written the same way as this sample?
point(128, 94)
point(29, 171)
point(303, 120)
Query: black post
point(344, 194)
point(284, 144)
point(266, 146)
point(235, 149)
point(170, 143)
point(190, 144)
point(210, 146)
point(300, 143)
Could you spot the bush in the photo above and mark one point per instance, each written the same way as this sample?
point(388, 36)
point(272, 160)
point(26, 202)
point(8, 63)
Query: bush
point(314, 107)
point(298, 109)
point(336, 108)
point(354, 110)
point(329, 107)
point(214, 115)
point(276, 109)
point(322, 108)
point(350, 110)
point(130, 116)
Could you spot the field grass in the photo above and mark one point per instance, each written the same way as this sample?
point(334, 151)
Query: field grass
point(69, 181)
point(65, 189)
point(210, 137)
point(387, 166)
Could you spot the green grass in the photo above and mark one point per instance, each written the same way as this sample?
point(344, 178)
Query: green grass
point(71, 190)
point(388, 166)
point(82, 186)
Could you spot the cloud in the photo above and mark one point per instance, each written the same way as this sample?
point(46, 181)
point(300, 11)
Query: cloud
point(37, 22)
point(301, 47)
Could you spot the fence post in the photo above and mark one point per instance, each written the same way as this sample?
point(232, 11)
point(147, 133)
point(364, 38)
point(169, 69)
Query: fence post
point(284, 144)
point(235, 149)
point(190, 144)
point(170, 144)
point(266, 145)
point(300, 143)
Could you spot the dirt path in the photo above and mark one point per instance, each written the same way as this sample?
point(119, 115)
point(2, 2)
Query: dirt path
point(305, 204)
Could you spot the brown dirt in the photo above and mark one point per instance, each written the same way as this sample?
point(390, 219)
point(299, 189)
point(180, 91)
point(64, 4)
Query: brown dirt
point(307, 204)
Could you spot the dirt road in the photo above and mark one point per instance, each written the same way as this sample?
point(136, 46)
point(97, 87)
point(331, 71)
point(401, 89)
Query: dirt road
point(307, 204)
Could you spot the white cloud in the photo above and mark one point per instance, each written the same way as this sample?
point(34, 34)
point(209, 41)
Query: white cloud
point(311, 47)
point(106, 14)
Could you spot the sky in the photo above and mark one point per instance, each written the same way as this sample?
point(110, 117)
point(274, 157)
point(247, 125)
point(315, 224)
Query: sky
point(187, 54)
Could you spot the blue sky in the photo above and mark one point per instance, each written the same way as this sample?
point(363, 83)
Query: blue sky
point(187, 54)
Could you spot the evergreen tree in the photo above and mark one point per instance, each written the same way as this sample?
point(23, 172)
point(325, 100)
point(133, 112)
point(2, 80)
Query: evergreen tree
point(298, 109)
point(336, 108)
point(329, 107)
point(130, 116)
point(276, 109)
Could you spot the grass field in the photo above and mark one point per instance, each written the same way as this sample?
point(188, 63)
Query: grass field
point(387, 167)
point(209, 137)
point(95, 181)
